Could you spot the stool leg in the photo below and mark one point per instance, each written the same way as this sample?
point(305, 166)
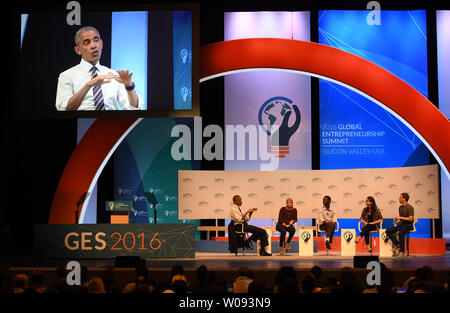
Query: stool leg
point(407, 243)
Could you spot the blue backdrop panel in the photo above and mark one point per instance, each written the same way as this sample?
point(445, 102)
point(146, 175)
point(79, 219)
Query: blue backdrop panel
point(354, 131)
point(182, 60)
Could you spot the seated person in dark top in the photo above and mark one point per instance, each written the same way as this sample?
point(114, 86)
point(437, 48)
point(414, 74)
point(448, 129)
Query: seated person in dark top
point(371, 218)
point(406, 220)
point(286, 219)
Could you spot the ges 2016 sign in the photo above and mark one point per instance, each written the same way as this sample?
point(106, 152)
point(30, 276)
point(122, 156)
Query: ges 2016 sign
point(109, 241)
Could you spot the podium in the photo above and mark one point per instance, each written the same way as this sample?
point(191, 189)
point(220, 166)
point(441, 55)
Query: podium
point(120, 211)
point(348, 242)
point(385, 247)
point(305, 242)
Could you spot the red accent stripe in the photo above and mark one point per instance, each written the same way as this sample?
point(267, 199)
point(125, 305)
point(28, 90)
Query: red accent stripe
point(339, 65)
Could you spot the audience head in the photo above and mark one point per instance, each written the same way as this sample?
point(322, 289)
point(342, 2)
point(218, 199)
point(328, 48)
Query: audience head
point(20, 282)
point(420, 274)
point(308, 283)
point(284, 273)
point(285, 282)
point(387, 280)
point(245, 271)
point(317, 272)
point(95, 285)
point(61, 272)
point(330, 284)
point(179, 286)
point(141, 285)
point(256, 287)
point(415, 285)
point(202, 273)
point(427, 273)
point(289, 285)
point(348, 282)
point(176, 270)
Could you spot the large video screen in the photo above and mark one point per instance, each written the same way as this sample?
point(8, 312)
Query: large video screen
point(354, 131)
point(114, 61)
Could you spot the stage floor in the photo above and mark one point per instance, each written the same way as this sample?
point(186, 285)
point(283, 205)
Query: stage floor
point(219, 259)
point(225, 261)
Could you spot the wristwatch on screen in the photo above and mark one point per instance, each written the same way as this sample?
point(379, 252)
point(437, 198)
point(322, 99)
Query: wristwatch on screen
point(129, 88)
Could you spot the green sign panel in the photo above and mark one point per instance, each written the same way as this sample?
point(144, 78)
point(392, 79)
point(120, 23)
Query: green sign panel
point(118, 205)
point(109, 241)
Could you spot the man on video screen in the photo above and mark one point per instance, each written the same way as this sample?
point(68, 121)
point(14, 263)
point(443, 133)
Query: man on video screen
point(91, 86)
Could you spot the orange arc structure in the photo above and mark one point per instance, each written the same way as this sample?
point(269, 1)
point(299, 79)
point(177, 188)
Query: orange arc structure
point(218, 59)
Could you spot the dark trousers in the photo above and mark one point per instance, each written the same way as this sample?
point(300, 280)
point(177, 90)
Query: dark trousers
point(257, 234)
point(283, 229)
point(329, 229)
point(365, 231)
point(401, 228)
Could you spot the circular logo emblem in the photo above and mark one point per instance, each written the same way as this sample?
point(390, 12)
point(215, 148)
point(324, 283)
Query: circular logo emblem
point(306, 236)
point(383, 237)
point(348, 236)
point(272, 112)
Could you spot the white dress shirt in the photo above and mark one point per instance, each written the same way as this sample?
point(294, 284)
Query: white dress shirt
point(115, 95)
point(236, 215)
point(327, 215)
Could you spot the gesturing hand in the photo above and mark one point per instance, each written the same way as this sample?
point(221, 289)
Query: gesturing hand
point(101, 79)
point(284, 132)
point(124, 77)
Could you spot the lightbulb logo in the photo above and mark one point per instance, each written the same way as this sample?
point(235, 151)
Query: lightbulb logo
point(184, 93)
point(111, 206)
point(184, 54)
point(348, 236)
point(306, 236)
point(383, 237)
point(278, 111)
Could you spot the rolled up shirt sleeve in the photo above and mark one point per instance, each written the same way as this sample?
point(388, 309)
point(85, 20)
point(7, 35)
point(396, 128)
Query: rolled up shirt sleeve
point(64, 92)
point(334, 216)
point(125, 103)
point(321, 217)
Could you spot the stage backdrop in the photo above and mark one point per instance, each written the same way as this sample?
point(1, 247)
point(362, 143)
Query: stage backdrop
point(443, 52)
point(143, 163)
point(264, 98)
point(354, 131)
point(208, 194)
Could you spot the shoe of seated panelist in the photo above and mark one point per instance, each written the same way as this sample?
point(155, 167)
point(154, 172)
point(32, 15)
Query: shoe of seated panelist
point(395, 252)
point(401, 255)
point(264, 253)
